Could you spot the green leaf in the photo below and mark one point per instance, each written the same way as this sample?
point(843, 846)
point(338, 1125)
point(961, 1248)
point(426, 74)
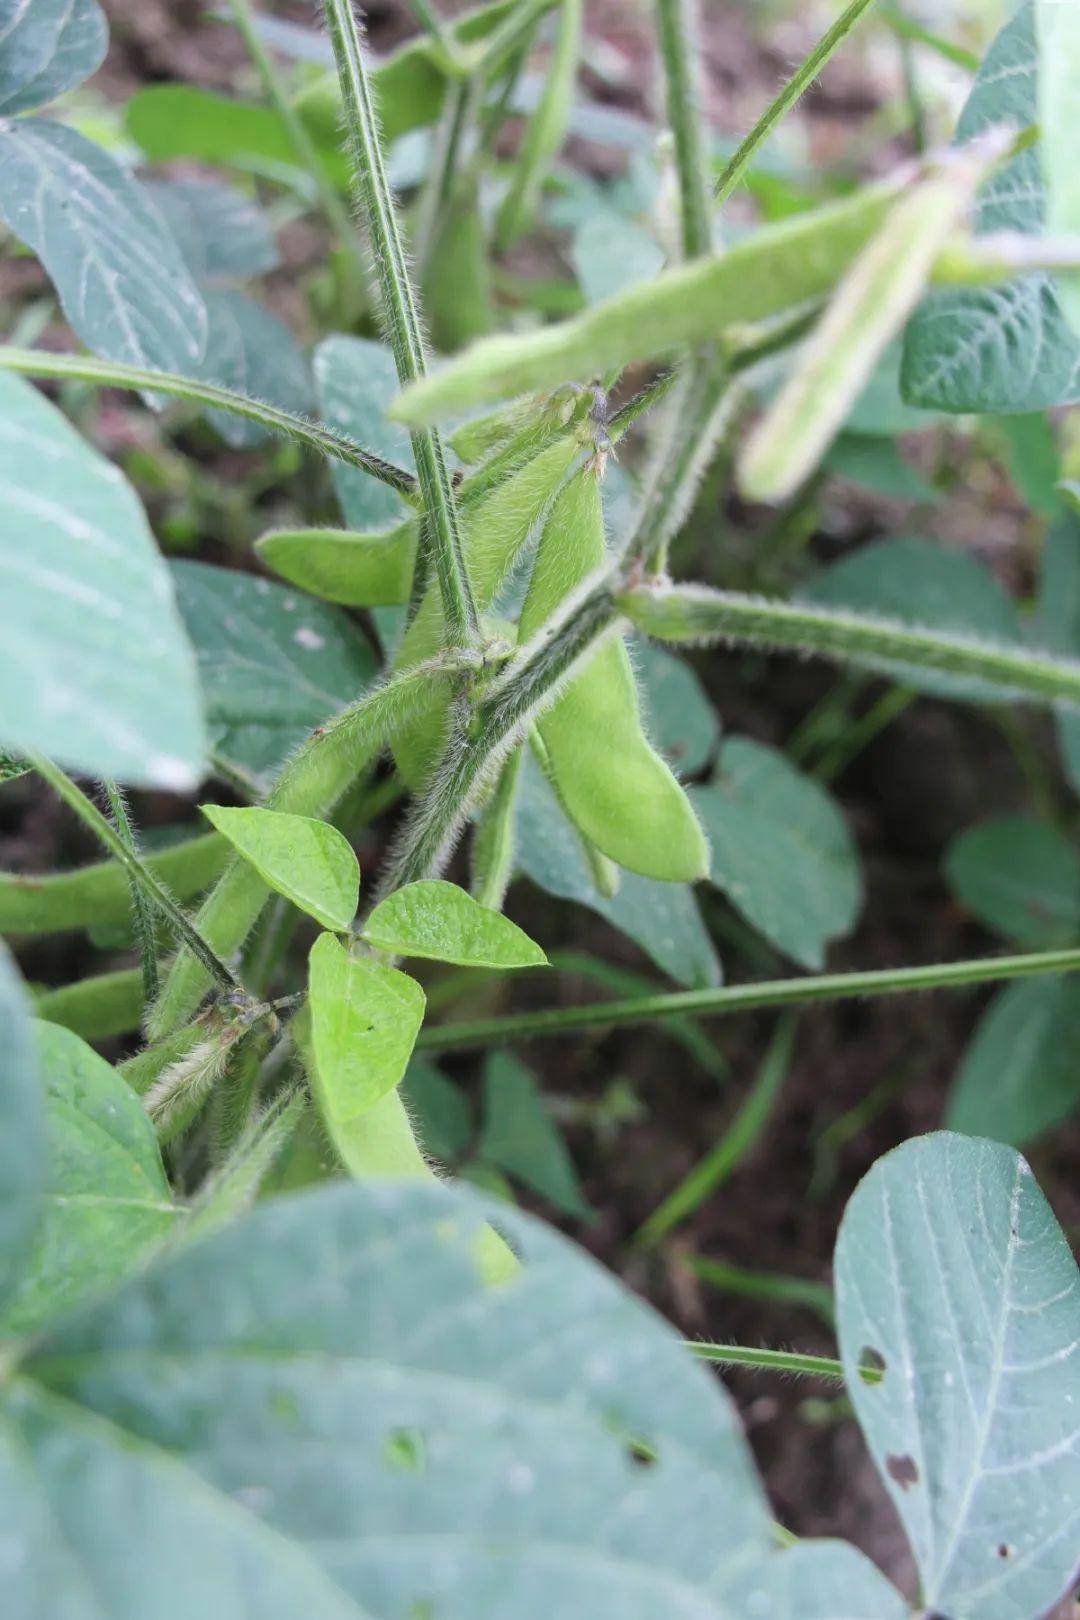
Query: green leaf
point(781, 850)
point(921, 583)
point(118, 271)
point(682, 722)
point(1020, 1076)
point(1004, 348)
point(273, 665)
point(438, 920)
point(356, 570)
point(1058, 35)
point(22, 1150)
point(662, 918)
point(819, 1580)
point(365, 1018)
point(356, 380)
point(335, 1366)
point(81, 676)
point(952, 1272)
point(1059, 614)
point(609, 253)
point(107, 1202)
point(439, 1109)
point(49, 46)
point(877, 465)
point(222, 232)
point(308, 861)
point(520, 1136)
point(249, 350)
point(170, 121)
point(1021, 878)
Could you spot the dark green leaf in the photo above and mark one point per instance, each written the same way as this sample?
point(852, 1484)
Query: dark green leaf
point(1020, 1076)
point(1020, 877)
point(274, 664)
point(47, 47)
point(877, 465)
point(439, 1109)
point(520, 1136)
point(781, 850)
point(1059, 613)
point(682, 722)
point(22, 1150)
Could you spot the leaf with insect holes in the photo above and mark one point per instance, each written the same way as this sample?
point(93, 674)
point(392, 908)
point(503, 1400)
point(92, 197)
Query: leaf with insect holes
point(365, 1018)
point(273, 666)
point(954, 1279)
point(107, 1202)
point(521, 1137)
point(22, 1152)
point(354, 1422)
point(46, 48)
point(307, 861)
point(95, 668)
point(1020, 1075)
point(118, 271)
point(1020, 877)
point(438, 920)
point(1009, 347)
point(781, 850)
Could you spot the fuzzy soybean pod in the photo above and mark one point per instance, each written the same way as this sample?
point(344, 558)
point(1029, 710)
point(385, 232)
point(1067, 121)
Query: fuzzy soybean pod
point(611, 780)
point(495, 532)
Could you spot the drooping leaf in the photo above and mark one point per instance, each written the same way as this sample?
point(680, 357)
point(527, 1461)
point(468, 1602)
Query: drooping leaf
point(998, 348)
point(365, 1018)
point(340, 1369)
point(520, 1136)
point(248, 349)
point(440, 921)
point(1020, 1075)
point(22, 1152)
point(662, 918)
point(781, 850)
point(95, 668)
point(118, 271)
point(956, 1283)
point(273, 665)
point(356, 381)
point(681, 721)
point(107, 1202)
point(47, 47)
point(222, 232)
point(923, 584)
point(308, 861)
point(1019, 876)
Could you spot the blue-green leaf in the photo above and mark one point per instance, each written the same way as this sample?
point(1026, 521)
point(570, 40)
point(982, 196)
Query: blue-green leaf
point(1020, 1076)
point(520, 1136)
point(222, 232)
point(356, 381)
point(22, 1151)
point(47, 47)
point(1019, 876)
point(252, 351)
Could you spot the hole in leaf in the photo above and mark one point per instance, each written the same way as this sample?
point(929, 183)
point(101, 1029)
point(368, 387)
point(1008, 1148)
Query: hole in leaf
point(903, 1470)
point(1004, 1550)
point(872, 1365)
point(405, 1452)
point(642, 1453)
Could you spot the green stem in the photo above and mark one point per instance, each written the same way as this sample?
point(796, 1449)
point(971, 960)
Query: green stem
point(789, 1361)
point(773, 1286)
point(680, 52)
point(797, 85)
point(141, 912)
point(113, 374)
point(106, 833)
point(337, 214)
point(749, 997)
point(728, 1153)
point(697, 614)
point(401, 318)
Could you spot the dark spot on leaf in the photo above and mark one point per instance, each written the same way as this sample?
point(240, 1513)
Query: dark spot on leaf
point(1004, 1550)
point(903, 1470)
point(642, 1453)
point(872, 1365)
point(405, 1452)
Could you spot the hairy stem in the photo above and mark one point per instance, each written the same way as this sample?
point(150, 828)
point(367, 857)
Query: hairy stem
point(114, 374)
point(789, 1361)
point(141, 912)
point(677, 32)
point(749, 997)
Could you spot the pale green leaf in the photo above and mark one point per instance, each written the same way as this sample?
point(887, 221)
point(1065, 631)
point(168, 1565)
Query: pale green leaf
point(107, 1202)
point(954, 1280)
point(1020, 877)
point(336, 1365)
point(921, 583)
point(307, 861)
point(781, 850)
point(95, 668)
point(819, 1580)
point(1020, 1076)
point(365, 1018)
point(520, 1136)
point(273, 666)
point(610, 252)
point(118, 271)
point(22, 1152)
point(47, 47)
point(438, 920)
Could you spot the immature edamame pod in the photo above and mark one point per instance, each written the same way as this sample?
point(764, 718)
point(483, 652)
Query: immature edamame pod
point(457, 285)
point(495, 532)
point(611, 780)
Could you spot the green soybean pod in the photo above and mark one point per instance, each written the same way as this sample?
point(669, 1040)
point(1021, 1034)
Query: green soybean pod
point(338, 565)
point(611, 780)
point(458, 300)
point(495, 532)
point(546, 130)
